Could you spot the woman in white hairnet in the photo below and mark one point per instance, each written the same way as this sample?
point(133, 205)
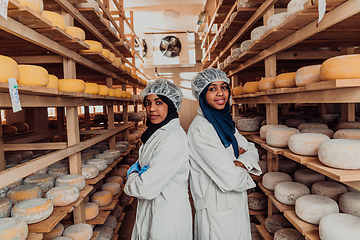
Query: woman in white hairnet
point(220, 162)
point(159, 179)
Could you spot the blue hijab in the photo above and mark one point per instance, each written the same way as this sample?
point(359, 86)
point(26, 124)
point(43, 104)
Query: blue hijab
point(221, 121)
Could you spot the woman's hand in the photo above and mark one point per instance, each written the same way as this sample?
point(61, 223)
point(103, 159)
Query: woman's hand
point(239, 164)
point(241, 150)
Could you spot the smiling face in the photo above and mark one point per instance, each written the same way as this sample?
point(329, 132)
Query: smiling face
point(217, 95)
point(156, 109)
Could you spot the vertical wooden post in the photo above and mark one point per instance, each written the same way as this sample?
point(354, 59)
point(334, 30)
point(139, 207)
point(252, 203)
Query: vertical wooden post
point(235, 83)
point(87, 120)
point(110, 114)
point(322, 108)
point(347, 112)
point(285, 110)
point(79, 213)
point(132, 40)
point(73, 135)
point(60, 115)
point(271, 113)
point(125, 115)
point(2, 154)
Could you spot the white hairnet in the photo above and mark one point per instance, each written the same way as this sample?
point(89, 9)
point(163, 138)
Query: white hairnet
point(165, 88)
point(206, 77)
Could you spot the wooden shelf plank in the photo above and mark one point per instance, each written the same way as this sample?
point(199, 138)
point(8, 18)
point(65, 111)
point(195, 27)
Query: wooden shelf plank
point(95, 180)
point(100, 219)
point(75, 44)
point(109, 207)
point(29, 17)
point(301, 226)
point(264, 233)
point(256, 139)
point(115, 237)
point(312, 236)
point(281, 207)
point(13, 4)
point(273, 150)
point(299, 158)
point(254, 213)
point(55, 33)
point(95, 235)
point(339, 83)
point(257, 179)
point(260, 218)
point(48, 224)
point(265, 191)
point(122, 217)
point(34, 236)
point(118, 225)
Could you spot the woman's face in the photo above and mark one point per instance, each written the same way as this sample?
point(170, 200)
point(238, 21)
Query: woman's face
point(156, 109)
point(217, 95)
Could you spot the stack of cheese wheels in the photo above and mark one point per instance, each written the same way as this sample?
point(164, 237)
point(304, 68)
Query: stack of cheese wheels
point(33, 75)
point(75, 180)
point(251, 87)
point(306, 75)
point(347, 134)
point(325, 131)
point(276, 222)
point(55, 18)
point(3, 191)
point(36, 5)
point(285, 80)
point(89, 171)
point(257, 201)
point(118, 93)
point(33, 210)
point(329, 189)
point(271, 179)
point(103, 90)
point(288, 192)
point(258, 32)
point(311, 208)
point(91, 210)
point(341, 67)
point(15, 184)
point(44, 181)
point(5, 207)
point(279, 136)
point(76, 32)
point(312, 125)
point(58, 170)
point(95, 46)
point(112, 187)
point(337, 226)
point(63, 195)
point(57, 231)
point(247, 124)
point(102, 198)
point(71, 85)
point(348, 125)
point(288, 234)
point(306, 144)
point(13, 228)
point(92, 88)
point(265, 128)
point(53, 82)
point(79, 231)
point(308, 177)
point(276, 19)
point(350, 203)
point(23, 192)
point(267, 83)
point(340, 153)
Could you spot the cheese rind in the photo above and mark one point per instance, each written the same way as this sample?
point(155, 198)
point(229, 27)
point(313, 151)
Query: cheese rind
point(267, 83)
point(89, 171)
point(44, 181)
point(288, 192)
point(347, 134)
point(53, 82)
point(54, 233)
point(276, 222)
point(341, 67)
point(33, 75)
point(71, 85)
point(75, 180)
point(251, 87)
point(279, 136)
point(306, 144)
point(13, 229)
point(265, 128)
point(55, 18)
point(79, 231)
point(350, 203)
point(63, 195)
point(103, 90)
point(91, 210)
point(8, 68)
point(102, 198)
point(112, 187)
point(36, 5)
point(327, 132)
point(33, 210)
point(329, 189)
point(92, 88)
point(76, 32)
point(285, 80)
point(5, 207)
point(24, 192)
point(271, 179)
point(308, 74)
point(95, 46)
point(100, 163)
point(339, 226)
point(308, 177)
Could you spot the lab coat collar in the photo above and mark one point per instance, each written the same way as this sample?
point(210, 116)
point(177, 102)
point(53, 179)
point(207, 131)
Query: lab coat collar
point(172, 123)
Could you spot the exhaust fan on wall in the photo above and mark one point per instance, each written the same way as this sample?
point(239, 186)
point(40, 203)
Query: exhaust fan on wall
point(170, 46)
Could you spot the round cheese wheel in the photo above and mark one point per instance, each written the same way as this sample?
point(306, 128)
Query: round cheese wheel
point(294, 123)
point(329, 189)
point(23, 127)
point(118, 61)
point(279, 137)
point(13, 229)
point(117, 212)
point(36, 5)
point(115, 179)
point(276, 19)
point(238, 90)
point(92, 88)
point(288, 234)
point(79, 231)
point(340, 153)
point(6, 129)
point(115, 153)
point(8, 68)
point(53, 82)
point(348, 125)
point(105, 232)
point(256, 236)
point(86, 156)
point(339, 226)
point(23, 192)
point(312, 125)
point(111, 222)
point(347, 134)
point(5, 207)
point(122, 172)
point(294, 6)
point(308, 177)
point(247, 125)
point(58, 170)
point(330, 117)
point(89, 171)
point(55, 18)
point(285, 80)
point(75, 180)
point(327, 132)
point(105, 52)
point(308, 74)
point(265, 128)
point(124, 198)
point(107, 156)
point(257, 201)
point(76, 32)
point(306, 144)
point(267, 83)
point(258, 32)
point(276, 222)
point(112, 57)
point(91, 210)
point(112, 187)
point(71, 85)
point(263, 166)
point(311, 208)
point(57, 231)
point(103, 90)
point(245, 45)
point(340, 67)
point(16, 183)
point(271, 179)
point(63, 195)
point(3, 191)
point(251, 87)
point(287, 166)
point(33, 75)
point(288, 192)
point(44, 181)
point(350, 203)
point(102, 198)
point(111, 92)
point(95, 46)
point(13, 159)
point(100, 163)
point(33, 210)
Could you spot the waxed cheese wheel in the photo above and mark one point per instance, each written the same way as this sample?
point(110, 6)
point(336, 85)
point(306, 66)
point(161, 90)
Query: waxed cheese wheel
point(312, 125)
point(276, 222)
point(53, 82)
point(258, 32)
point(341, 67)
point(107, 156)
point(105, 52)
point(348, 125)
point(95, 46)
point(308, 74)
point(257, 201)
point(71, 85)
point(92, 88)
point(105, 232)
point(55, 18)
point(308, 177)
point(325, 131)
point(276, 19)
point(339, 226)
point(311, 208)
point(58, 170)
point(245, 45)
point(33, 210)
point(8, 68)
point(271, 179)
point(102, 198)
point(287, 166)
point(347, 134)
point(36, 5)
point(350, 203)
point(112, 187)
point(100, 163)
point(13, 229)
point(114, 152)
point(265, 128)
point(76, 32)
point(23, 192)
point(279, 137)
point(288, 192)
point(89, 171)
point(329, 189)
point(247, 125)
point(103, 90)
point(79, 231)
point(306, 144)
point(5, 207)
point(118, 62)
point(110, 222)
point(33, 75)
point(340, 153)
point(63, 195)
point(57, 231)
point(21, 127)
point(238, 90)
point(288, 234)
point(267, 83)
point(251, 87)
point(294, 123)
point(91, 210)
point(285, 80)
point(44, 181)
point(75, 180)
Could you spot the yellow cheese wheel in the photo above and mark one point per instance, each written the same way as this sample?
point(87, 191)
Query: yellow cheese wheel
point(33, 210)
point(102, 198)
point(267, 83)
point(92, 88)
point(36, 5)
point(112, 187)
point(115, 179)
point(308, 74)
point(95, 46)
point(341, 67)
point(79, 231)
point(55, 18)
point(53, 82)
point(118, 93)
point(91, 210)
point(13, 228)
point(103, 90)
point(285, 80)
point(75, 180)
point(63, 195)
point(76, 32)
point(123, 67)
point(118, 61)
point(33, 75)
point(251, 87)
point(23, 192)
point(43, 180)
point(112, 57)
point(7, 129)
point(8, 68)
point(129, 95)
point(105, 52)
point(54, 233)
point(111, 92)
point(71, 85)
point(5, 207)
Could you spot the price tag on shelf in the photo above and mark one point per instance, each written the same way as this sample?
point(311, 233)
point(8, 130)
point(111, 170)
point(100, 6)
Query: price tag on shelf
point(14, 95)
point(3, 8)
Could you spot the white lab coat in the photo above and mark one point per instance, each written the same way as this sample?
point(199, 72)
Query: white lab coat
point(163, 210)
point(217, 186)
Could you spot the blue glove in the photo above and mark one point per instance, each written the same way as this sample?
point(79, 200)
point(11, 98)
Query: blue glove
point(134, 168)
point(143, 169)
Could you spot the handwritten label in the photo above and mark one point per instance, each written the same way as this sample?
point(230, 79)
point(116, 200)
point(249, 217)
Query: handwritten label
point(3, 8)
point(14, 95)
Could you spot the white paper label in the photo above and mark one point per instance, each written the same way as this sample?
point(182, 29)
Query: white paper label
point(321, 9)
point(14, 95)
point(3, 8)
